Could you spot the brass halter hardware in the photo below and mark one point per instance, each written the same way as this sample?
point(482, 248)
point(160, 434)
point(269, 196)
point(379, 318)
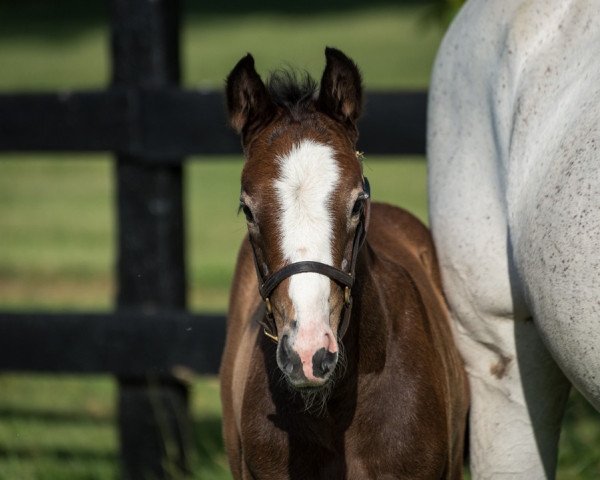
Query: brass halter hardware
point(269, 314)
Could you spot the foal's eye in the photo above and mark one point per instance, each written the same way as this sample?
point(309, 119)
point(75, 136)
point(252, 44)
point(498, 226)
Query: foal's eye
point(247, 212)
point(358, 206)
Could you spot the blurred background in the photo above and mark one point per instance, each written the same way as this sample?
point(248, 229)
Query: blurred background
point(57, 223)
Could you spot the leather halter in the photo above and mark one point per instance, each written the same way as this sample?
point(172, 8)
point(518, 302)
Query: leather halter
point(344, 279)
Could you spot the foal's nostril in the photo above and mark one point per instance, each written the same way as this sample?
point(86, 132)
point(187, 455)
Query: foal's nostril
point(285, 345)
point(285, 354)
point(323, 362)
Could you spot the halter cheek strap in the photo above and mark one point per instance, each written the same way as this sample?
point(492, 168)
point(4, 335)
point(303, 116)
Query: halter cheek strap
point(344, 279)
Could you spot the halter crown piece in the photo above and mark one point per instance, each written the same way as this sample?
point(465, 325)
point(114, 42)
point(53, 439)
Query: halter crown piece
point(345, 279)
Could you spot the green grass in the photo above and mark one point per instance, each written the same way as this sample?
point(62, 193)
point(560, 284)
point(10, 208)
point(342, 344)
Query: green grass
point(53, 428)
point(393, 45)
point(377, 39)
point(57, 224)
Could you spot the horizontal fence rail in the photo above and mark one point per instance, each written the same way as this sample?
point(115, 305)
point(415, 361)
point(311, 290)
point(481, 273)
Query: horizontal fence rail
point(127, 344)
point(169, 123)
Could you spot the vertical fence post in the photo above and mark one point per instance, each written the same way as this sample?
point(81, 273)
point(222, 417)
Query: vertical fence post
point(153, 412)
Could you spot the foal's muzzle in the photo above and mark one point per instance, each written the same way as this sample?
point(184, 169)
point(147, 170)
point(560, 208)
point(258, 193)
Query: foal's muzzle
point(306, 371)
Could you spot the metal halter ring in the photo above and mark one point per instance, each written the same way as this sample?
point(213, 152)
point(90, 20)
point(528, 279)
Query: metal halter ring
point(347, 295)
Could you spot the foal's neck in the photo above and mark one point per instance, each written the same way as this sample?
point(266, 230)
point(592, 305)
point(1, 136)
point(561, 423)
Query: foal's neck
point(366, 338)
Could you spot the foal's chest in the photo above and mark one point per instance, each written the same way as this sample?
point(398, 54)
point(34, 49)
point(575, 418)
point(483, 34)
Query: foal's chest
point(295, 445)
point(277, 446)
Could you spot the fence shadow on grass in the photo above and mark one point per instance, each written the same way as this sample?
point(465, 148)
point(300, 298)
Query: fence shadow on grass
point(16, 414)
point(208, 452)
point(62, 454)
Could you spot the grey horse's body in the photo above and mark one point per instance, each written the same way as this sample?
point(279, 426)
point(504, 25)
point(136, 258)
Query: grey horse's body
point(514, 189)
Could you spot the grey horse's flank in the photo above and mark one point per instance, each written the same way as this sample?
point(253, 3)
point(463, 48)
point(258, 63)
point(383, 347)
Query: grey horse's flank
point(514, 131)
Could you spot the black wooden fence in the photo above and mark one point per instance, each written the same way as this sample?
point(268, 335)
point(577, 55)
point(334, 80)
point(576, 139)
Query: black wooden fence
point(150, 123)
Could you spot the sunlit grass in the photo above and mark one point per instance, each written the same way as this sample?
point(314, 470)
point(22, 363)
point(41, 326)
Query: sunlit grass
point(393, 45)
point(35, 63)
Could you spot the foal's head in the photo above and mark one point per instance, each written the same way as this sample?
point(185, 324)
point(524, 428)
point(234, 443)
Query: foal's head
point(304, 197)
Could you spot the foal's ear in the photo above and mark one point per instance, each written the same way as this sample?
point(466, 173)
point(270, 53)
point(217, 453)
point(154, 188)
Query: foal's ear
point(248, 102)
point(341, 88)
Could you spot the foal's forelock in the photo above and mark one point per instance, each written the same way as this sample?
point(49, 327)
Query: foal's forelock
point(308, 177)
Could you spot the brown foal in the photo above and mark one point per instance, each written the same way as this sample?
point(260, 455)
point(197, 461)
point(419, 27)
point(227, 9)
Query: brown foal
point(339, 360)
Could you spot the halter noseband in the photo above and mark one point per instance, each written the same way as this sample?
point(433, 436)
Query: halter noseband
point(344, 279)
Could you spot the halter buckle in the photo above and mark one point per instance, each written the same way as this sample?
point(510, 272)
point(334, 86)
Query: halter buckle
point(347, 295)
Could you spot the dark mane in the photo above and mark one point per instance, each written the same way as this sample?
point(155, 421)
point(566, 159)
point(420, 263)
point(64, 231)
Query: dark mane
point(291, 89)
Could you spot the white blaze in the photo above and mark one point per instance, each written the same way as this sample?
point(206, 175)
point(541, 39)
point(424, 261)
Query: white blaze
point(308, 177)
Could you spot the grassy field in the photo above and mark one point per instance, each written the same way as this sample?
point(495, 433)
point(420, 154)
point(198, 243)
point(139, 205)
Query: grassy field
point(57, 225)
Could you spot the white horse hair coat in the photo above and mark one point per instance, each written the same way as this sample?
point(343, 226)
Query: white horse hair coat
point(514, 188)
